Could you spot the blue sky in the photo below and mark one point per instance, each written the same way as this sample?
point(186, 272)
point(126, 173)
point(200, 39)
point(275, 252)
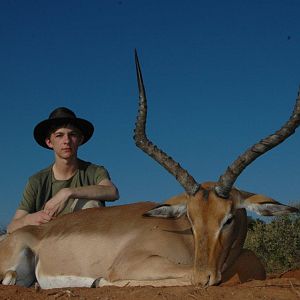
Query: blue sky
point(219, 76)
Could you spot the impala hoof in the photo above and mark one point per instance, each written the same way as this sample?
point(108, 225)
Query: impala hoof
point(10, 278)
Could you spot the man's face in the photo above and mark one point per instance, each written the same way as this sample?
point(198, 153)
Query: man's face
point(65, 141)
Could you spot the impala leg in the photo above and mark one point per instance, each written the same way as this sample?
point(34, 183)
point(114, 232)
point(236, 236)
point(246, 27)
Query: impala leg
point(153, 270)
point(17, 261)
point(10, 278)
point(100, 282)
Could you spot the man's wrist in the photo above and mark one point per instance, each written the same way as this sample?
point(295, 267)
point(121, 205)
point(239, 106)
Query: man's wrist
point(24, 220)
point(69, 192)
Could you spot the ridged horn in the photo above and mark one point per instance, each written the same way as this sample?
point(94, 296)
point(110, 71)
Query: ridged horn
point(141, 140)
point(227, 180)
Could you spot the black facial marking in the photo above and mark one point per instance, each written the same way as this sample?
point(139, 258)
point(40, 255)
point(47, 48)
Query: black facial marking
point(205, 194)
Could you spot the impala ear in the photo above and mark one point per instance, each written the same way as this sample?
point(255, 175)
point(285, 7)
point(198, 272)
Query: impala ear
point(266, 206)
point(167, 211)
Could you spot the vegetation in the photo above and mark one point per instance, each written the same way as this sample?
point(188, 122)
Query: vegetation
point(277, 243)
point(2, 230)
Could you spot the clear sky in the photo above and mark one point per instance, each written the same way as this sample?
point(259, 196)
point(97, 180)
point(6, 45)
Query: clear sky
point(220, 75)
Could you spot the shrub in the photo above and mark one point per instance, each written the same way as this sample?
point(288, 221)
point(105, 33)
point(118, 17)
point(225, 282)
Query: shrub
point(277, 243)
point(2, 230)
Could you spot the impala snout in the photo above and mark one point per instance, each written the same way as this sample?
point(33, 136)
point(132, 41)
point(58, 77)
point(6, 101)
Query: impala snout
point(206, 277)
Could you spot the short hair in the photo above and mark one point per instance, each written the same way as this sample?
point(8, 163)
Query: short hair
point(55, 127)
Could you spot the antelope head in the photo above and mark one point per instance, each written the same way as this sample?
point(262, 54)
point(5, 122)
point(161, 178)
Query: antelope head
point(216, 210)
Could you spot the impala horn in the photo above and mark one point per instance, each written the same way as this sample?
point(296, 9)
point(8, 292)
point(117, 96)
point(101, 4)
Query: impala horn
point(227, 180)
point(141, 140)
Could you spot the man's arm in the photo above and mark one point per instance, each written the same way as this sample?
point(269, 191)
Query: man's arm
point(23, 218)
point(104, 191)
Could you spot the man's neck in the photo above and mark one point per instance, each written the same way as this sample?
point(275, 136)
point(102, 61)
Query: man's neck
point(64, 169)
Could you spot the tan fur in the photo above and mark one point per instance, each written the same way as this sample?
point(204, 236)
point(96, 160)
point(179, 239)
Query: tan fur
point(182, 198)
point(118, 245)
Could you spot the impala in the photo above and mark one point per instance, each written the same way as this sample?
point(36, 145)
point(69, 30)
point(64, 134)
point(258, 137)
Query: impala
point(194, 238)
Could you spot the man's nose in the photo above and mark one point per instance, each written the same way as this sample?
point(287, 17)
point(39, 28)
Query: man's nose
point(66, 138)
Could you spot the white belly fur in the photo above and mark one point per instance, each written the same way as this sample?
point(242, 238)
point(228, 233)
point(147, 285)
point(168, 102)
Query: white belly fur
point(59, 281)
point(62, 281)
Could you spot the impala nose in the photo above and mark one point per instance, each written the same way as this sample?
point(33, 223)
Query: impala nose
point(206, 278)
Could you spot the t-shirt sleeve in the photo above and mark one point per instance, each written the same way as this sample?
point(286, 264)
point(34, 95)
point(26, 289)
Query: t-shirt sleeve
point(28, 200)
point(100, 174)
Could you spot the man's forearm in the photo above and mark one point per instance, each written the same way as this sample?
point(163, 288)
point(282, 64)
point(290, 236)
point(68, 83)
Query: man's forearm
point(16, 224)
point(95, 192)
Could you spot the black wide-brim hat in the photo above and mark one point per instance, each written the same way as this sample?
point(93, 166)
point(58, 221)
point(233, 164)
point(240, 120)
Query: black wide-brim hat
point(60, 117)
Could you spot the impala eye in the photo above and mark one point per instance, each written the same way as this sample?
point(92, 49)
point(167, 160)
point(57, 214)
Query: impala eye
point(229, 221)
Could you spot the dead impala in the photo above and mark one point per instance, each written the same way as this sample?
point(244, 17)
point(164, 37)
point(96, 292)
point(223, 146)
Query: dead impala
point(196, 239)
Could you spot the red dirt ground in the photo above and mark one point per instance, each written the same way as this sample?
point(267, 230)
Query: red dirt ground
point(284, 286)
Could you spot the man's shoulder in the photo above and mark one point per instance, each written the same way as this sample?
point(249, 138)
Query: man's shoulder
point(88, 165)
point(42, 174)
point(91, 173)
point(91, 170)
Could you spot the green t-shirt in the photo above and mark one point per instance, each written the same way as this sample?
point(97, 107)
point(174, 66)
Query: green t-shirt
point(43, 186)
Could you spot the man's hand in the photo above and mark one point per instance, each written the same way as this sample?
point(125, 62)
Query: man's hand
point(37, 218)
point(23, 218)
point(57, 203)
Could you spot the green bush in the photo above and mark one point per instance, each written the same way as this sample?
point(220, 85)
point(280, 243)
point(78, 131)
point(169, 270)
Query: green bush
point(277, 243)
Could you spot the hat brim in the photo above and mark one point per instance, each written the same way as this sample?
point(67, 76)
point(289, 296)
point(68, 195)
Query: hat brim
point(41, 130)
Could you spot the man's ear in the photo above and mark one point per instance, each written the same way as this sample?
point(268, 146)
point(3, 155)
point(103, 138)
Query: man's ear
point(81, 139)
point(48, 142)
point(167, 211)
point(266, 206)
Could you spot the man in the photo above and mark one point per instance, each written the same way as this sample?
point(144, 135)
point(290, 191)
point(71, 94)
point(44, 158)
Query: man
point(69, 183)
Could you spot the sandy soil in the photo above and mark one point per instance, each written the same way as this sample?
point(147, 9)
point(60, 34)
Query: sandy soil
point(284, 286)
